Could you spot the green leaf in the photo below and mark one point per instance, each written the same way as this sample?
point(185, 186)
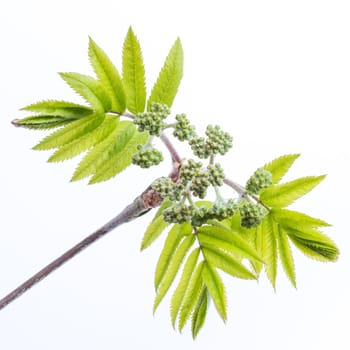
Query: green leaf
point(120, 157)
point(167, 84)
point(200, 312)
point(175, 235)
point(133, 74)
point(227, 263)
point(269, 248)
point(42, 122)
point(98, 155)
point(192, 295)
point(257, 242)
point(153, 231)
point(286, 255)
point(180, 290)
point(70, 132)
point(90, 89)
point(295, 219)
point(172, 270)
point(285, 194)
point(86, 141)
point(61, 109)
point(216, 289)
point(213, 237)
point(314, 244)
point(279, 166)
point(108, 76)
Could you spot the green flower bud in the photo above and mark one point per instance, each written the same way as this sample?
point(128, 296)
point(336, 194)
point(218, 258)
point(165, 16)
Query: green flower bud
point(260, 179)
point(178, 213)
point(216, 174)
point(251, 214)
point(146, 158)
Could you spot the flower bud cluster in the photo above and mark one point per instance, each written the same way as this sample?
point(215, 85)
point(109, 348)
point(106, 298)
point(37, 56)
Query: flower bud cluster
point(216, 142)
point(168, 189)
point(153, 120)
point(251, 214)
point(216, 174)
point(147, 157)
point(183, 130)
point(262, 178)
point(189, 170)
point(200, 184)
point(179, 213)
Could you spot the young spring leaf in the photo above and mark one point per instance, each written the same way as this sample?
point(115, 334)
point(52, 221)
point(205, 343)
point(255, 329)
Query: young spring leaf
point(227, 262)
point(175, 235)
point(57, 108)
point(180, 291)
point(216, 289)
point(193, 292)
point(133, 74)
point(153, 231)
point(279, 166)
point(286, 255)
point(173, 268)
point(86, 141)
point(285, 194)
point(167, 84)
point(200, 312)
point(108, 76)
point(70, 132)
point(42, 122)
point(90, 89)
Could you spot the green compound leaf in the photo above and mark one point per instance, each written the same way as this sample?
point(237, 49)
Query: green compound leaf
point(133, 74)
point(180, 291)
point(90, 89)
point(227, 262)
point(192, 295)
point(120, 157)
point(70, 132)
point(173, 268)
point(175, 235)
point(86, 141)
point(200, 312)
point(108, 76)
point(213, 237)
point(269, 248)
point(285, 194)
point(313, 244)
point(153, 231)
point(279, 166)
point(42, 122)
point(57, 108)
point(295, 219)
point(286, 255)
point(216, 289)
point(167, 84)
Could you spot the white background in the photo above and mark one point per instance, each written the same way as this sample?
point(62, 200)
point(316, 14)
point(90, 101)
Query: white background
point(275, 74)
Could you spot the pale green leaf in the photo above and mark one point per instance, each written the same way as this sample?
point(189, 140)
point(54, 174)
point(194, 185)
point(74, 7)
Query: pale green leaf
point(70, 132)
point(257, 242)
point(133, 74)
point(153, 231)
point(175, 235)
point(279, 166)
point(286, 255)
point(180, 290)
point(216, 289)
point(314, 243)
point(42, 122)
point(86, 141)
point(61, 109)
point(285, 194)
point(165, 204)
point(98, 155)
point(269, 248)
point(167, 84)
point(119, 160)
point(108, 75)
point(295, 219)
point(173, 268)
point(192, 295)
point(219, 237)
point(200, 312)
point(227, 263)
point(90, 89)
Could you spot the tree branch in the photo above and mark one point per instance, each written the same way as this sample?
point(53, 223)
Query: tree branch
point(147, 200)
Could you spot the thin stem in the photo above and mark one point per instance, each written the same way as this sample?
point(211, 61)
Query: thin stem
point(174, 155)
point(138, 207)
point(218, 194)
point(238, 188)
point(125, 114)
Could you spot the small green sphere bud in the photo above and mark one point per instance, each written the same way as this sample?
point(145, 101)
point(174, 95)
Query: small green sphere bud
point(260, 179)
point(251, 214)
point(188, 171)
point(183, 130)
point(217, 141)
point(199, 148)
point(216, 174)
point(200, 184)
point(178, 213)
point(146, 158)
